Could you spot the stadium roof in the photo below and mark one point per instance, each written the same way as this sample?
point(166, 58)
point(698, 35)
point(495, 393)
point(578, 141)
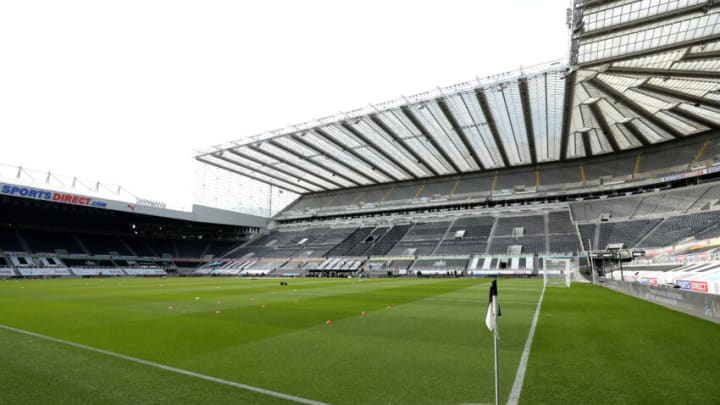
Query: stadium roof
point(640, 72)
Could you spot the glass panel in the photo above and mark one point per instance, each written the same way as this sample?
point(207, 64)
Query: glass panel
point(650, 37)
point(343, 136)
point(268, 171)
point(275, 151)
point(475, 126)
point(235, 169)
point(547, 96)
point(431, 117)
point(694, 87)
point(383, 141)
point(608, 15)
point(312, 156)
point(270, 162)
point(397, 122)
point(506, 108)
point(345, 157)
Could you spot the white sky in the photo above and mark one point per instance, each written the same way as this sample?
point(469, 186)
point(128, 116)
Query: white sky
point(125, 91)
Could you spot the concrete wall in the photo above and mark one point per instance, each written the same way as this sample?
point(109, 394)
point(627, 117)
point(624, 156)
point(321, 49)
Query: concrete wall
point(706, 306)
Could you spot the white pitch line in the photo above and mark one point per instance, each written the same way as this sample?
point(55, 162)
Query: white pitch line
point(169, 368)
point(520, 376)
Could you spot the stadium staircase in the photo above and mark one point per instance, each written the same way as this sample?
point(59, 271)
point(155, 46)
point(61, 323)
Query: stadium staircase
point(444, 237)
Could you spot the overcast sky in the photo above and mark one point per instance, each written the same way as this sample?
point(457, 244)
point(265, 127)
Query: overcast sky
point(125, 91)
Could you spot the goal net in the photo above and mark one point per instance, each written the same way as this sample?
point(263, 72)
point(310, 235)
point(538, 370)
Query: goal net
point(557, 272)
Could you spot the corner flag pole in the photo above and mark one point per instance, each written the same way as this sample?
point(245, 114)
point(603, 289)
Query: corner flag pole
point(492, 324)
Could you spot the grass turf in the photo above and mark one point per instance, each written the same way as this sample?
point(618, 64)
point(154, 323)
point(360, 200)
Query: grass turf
point(421, 341)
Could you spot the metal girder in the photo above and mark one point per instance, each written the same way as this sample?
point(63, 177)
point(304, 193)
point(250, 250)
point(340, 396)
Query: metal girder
point(695, 56)
point(600, 118)
point(567, 112)
point(692, 99)
point(638, 54)
point(272, 155)
point(527, 115)
point(284, 148)
point(461, 134)
point(250, 176)
point(642, 21)
point(630, 125)
point(328, 155)
point(329, 139)
point(418, 158)
point(635, 107)
point(399, 166)
point(689, 115)
point(272, 176)
point(409, 114)
point(482, 100)
point(585, 135)
point(663, 72)
point(277, 169)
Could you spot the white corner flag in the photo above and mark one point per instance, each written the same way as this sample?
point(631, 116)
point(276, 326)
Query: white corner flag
point(491, 322)
point(493, 312)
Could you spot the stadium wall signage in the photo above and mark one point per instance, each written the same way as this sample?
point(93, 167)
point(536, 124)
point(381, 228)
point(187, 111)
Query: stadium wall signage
point(691, 301)
point(693, 173)
point(46, 195)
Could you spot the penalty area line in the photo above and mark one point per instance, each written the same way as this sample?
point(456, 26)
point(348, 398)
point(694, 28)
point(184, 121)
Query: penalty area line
point(168, 368)
point(522, 367)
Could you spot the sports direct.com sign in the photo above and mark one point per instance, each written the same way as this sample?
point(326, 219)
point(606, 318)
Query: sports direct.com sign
point(46, 195)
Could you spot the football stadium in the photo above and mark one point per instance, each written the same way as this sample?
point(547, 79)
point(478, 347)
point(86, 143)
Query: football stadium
point(583, 190)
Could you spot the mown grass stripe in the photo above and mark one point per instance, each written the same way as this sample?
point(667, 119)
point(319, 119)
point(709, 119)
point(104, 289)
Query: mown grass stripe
point(168, 368)
point(522, 367)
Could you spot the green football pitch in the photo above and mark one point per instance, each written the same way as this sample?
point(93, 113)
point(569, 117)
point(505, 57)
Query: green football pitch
point(390, 341)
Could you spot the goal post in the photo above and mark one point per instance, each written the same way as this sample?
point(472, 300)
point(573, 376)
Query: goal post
point(557, 272)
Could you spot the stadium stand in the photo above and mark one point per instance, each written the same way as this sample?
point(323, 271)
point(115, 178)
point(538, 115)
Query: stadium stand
point(387, 240)
point(467, 235)
point(420, 239)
